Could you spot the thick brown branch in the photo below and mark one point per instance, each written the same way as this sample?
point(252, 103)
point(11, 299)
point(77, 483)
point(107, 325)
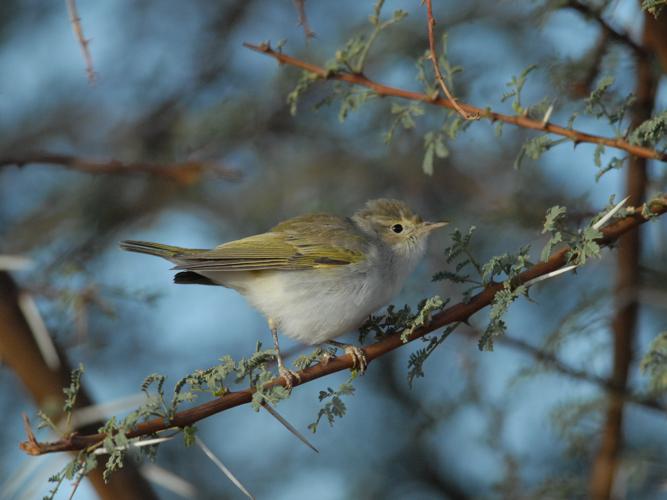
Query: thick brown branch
point(20, 352)
point(457, 313)
point(575, 136)
point(436, 66)
point(78, 32)
point(185, 173)
point(625, 318)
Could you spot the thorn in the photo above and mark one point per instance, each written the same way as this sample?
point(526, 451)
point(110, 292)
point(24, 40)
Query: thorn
point(274, 413)
point(550, 275)
point(547, 116)
point(610, 214)
point(222, 467)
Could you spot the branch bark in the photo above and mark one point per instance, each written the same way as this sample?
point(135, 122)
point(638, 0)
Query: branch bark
point(436, 66)
point(576, 136)
point(20, 352)
point(185, 173)
point(457, 313)
point(83, 43)
point(624, 323)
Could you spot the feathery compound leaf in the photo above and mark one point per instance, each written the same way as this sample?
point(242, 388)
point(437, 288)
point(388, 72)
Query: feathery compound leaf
point(334, 408)
point(434, 145)
point(419, 357)
point(305, 81)
point(72, 391)
point(516, 85)
point(654, 364)
point(594, 104)
point(652, 132)
point(534, 148)
point(654, 6)
point(426, 309)
point(502, 301)
point(552, 224)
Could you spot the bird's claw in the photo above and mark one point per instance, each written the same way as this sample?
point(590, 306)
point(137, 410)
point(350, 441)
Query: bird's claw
point(290, 377)
point(359, 360)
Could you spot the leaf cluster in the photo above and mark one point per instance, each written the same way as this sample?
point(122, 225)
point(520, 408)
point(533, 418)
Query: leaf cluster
point(582, 241)
point(654, 364)
point(334, 407)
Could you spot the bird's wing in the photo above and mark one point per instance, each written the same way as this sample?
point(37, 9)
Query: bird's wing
point(307, 242)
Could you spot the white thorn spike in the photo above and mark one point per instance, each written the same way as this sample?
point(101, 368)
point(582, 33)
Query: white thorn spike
point(222, 467)
point(611, 213)
point(289, 426)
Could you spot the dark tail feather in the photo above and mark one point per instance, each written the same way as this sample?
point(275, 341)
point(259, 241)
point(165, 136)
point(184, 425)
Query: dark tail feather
point(158, 249)
point(192, 278)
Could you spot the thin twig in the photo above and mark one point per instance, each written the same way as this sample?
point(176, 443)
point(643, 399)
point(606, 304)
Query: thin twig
point(83, 43)
point(303, 18)
point(436, 66)
point(456, 313)
point(185, 173)
point(574, 135)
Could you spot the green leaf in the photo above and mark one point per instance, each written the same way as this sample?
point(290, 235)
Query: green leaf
point(554, 217)
point(651, 132)
point(654, 6)
point(534, 148)
point(516, 85)
point(335, 407)
point(72, 391)
point(423, 317)
point(654, 364)
point(189, 433)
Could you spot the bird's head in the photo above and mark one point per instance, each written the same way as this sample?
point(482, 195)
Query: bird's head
point(393, 222)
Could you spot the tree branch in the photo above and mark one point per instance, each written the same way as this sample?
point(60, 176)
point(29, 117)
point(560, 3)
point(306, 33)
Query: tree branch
point(627, 285)
point(78, 32)
point(20, 352)
point(185, 173)
point(436, 66)
point(303, 18)
point(457, 313)
point(575, 136)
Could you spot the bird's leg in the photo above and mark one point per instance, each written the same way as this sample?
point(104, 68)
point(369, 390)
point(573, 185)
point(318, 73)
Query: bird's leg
point(358, 355)
point(289, 376)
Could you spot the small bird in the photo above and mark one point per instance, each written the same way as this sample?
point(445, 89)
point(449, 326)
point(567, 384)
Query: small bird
point(314, 277)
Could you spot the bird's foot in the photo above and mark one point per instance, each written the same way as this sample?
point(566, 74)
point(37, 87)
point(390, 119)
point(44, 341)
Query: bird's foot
point(359, 359)
point(360, 362)
point(290, 377)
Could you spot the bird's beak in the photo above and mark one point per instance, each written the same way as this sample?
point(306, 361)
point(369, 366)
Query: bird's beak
point(430, 226)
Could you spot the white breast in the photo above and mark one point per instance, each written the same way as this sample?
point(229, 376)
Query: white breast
point(317, 305)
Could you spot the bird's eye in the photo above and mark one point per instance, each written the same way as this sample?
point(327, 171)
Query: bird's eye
point(397, 228)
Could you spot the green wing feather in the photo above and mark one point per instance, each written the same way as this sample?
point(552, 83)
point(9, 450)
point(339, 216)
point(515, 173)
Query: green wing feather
point(306, 242)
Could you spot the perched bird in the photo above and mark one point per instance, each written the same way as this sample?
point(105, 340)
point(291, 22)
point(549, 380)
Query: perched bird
point(314, 277)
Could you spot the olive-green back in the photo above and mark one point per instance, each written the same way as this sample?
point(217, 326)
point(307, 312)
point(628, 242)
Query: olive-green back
point(306, 242)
